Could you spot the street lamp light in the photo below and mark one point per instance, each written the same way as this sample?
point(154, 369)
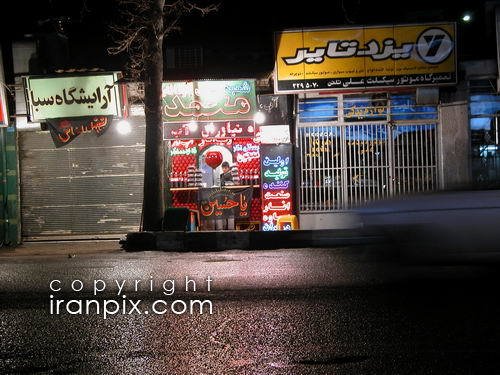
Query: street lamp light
point(467, 17)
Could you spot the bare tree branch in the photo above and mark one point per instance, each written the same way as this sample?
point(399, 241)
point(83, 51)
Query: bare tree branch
point(137, 25)
point(144, 25)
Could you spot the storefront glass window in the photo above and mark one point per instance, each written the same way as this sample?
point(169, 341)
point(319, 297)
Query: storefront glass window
point(484, 111)
point(318, 110)
point(404, 107)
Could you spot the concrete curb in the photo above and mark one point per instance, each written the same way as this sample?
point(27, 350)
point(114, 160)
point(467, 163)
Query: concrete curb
point(177, 241)
point(243, 240)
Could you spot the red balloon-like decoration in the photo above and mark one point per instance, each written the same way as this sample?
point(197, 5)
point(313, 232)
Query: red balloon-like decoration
point(213, 159)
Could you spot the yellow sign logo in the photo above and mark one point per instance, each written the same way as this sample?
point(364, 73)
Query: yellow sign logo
point(360, 58)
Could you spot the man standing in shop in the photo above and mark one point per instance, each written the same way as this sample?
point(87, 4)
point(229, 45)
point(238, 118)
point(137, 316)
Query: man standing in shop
point(226, 177)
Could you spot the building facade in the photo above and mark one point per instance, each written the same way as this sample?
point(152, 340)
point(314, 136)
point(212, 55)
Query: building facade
point(397, 113)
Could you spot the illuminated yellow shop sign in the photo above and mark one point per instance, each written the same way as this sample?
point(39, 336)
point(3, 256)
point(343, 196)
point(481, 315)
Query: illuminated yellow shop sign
point(366, 57)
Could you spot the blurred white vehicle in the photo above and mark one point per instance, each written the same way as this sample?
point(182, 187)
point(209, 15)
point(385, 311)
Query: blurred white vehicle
point(449, 225)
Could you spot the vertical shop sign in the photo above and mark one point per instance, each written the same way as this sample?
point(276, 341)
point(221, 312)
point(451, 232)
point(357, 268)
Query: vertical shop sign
point(3, 117)
point(3, 105)
point(277, 189)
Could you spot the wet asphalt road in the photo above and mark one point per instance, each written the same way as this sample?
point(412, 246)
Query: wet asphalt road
point(300, 311)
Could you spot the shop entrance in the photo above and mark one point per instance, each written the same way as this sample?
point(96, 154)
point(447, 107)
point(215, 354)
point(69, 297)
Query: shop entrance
point(354, 149)
point(484, 121)
point(210, 176)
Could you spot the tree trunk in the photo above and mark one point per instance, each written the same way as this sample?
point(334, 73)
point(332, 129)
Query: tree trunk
point(153, 204)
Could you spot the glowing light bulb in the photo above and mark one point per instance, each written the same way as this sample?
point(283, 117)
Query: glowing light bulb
point(123, 127)
point(259, 118)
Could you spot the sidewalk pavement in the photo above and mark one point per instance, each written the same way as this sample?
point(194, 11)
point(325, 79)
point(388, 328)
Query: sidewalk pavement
point(69, 248)
point(178, 241)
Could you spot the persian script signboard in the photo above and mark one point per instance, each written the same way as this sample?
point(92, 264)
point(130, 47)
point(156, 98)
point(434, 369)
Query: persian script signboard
point(72, 96)
point(224, 203)
point(365, 57)
point(208, 100)
point(63, 131)
point(277, 186)
point(208, 130)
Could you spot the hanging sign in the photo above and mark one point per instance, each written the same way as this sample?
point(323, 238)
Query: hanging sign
point(63, 131)
point(72, 96)
point(224, 203)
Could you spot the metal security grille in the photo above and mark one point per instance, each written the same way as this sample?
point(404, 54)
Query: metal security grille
point(367, 164)
point(415, 161)
point(369, 147)
point(321, 172)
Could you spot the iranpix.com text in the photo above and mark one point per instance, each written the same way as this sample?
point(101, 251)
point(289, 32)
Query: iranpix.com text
point(114, 297)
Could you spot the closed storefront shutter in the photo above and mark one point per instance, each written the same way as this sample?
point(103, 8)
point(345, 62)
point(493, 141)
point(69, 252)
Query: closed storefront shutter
point(91, 187)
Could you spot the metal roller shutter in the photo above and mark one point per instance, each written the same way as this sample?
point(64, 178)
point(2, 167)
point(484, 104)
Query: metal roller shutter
point(92, 187)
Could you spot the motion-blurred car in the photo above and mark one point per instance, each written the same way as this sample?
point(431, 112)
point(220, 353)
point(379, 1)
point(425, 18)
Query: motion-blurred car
point(442, 226)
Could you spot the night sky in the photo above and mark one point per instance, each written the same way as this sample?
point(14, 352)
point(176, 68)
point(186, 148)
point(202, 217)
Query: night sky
point(251, 22)
point(237, 18)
